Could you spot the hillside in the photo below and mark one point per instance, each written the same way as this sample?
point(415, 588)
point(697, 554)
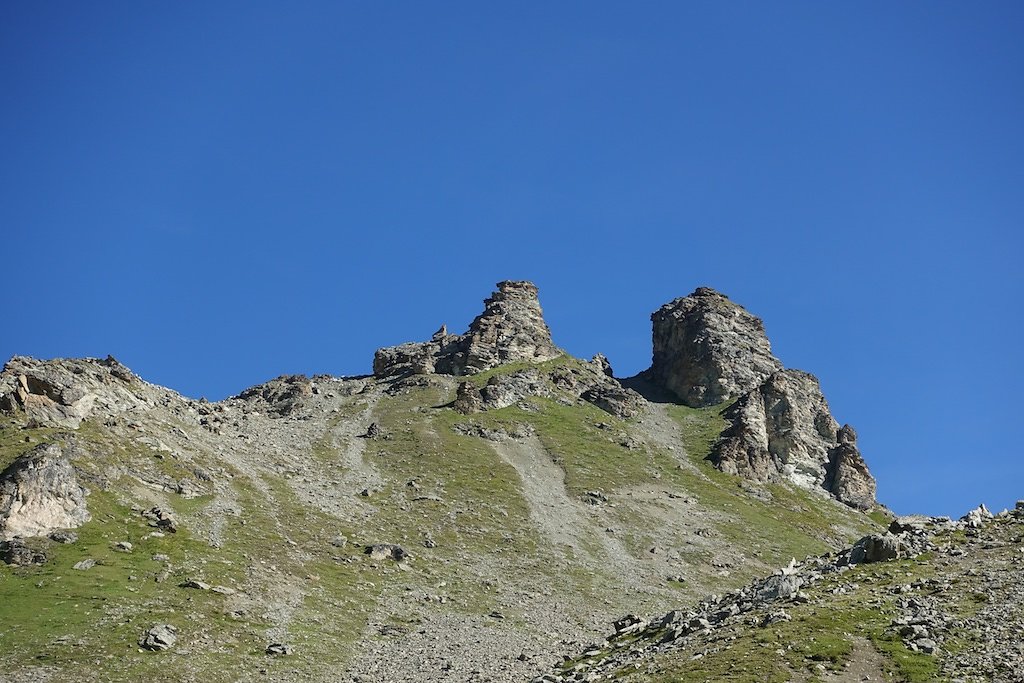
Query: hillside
point(932, 599)
point(481, 504)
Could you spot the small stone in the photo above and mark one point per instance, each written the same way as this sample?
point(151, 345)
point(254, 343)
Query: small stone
point(63, 536)
point(84, 564)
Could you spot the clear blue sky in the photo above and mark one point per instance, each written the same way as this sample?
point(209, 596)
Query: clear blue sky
point(220, 192)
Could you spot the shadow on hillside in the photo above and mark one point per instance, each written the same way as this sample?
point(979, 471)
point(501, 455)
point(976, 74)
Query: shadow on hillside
point(649, 390)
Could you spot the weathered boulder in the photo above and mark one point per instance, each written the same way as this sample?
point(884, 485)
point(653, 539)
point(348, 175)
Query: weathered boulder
point(511, 329)
point(40, 493)
point(386, 551)
point(783, 429)
point(159, 637)
point(875, 548)
point(17, 552)
point(708, 349)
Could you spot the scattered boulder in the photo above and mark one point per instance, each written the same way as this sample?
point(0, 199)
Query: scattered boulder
point(279, 650)
point(16, 552)
point(976, 518)
point(386, 551)
point(63, 536)
point(876, 548)
point(40, 493)
point(159, 637)
point(505, 390)
point(85, 564)
point(161, 519)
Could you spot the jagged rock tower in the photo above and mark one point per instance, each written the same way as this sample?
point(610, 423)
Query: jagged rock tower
point(708, 350)
point(511, 329)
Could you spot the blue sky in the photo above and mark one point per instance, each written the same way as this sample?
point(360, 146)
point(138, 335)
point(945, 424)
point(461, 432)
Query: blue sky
point(217, 193)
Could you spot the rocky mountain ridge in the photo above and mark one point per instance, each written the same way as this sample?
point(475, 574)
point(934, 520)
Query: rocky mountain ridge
point(479, 499)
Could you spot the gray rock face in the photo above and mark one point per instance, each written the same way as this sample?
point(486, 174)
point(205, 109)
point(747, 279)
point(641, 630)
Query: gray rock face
point(511, 329)
point(708, 349)
point(783, 430)
point(40, 493)
point(65, 392)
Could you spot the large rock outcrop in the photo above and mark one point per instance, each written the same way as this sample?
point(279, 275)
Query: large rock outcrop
point(784, 430)
point(511, 329)
point(708, 349)
point(63, 392)
point(40, 493)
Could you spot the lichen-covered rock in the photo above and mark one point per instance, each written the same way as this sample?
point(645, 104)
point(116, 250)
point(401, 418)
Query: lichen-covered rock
point(708, 349)
point(40, 493)
point(783, 429)
point(511, 329)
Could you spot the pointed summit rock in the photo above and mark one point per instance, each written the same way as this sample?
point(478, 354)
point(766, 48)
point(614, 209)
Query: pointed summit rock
point(708, 349)
point(510, 329)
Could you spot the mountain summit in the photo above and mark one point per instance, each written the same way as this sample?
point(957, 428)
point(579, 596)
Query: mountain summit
point(479, 503)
